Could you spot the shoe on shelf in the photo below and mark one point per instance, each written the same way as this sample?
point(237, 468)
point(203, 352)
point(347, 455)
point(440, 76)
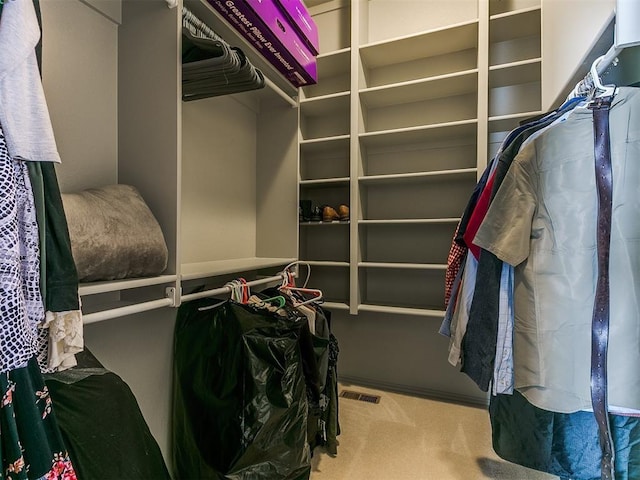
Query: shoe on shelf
point(316, 214)
point(305, 208)
point(329, 214)
point(343, 213)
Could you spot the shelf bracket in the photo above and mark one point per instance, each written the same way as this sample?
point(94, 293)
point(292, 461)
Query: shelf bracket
point(174, 294)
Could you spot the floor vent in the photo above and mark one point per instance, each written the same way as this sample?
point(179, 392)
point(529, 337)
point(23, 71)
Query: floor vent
point(363, 397)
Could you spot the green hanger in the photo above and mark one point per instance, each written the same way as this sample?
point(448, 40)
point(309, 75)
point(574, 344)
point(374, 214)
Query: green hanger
point(280, 299)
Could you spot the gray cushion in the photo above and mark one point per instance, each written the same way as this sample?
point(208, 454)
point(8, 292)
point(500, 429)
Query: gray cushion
point(113, 234)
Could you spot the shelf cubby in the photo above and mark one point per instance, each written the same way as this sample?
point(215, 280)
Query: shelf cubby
point(332, 16)
point(433, 53)
point(324, 158)
point(420, 113)
point(326, 116)
point(515, 36)
point(333, 280)
point(416, 199)
point(423, 89)
point(419, 243)
point(334, 73)
point(330, 193)
point(397, 287)
point(415, 152)
point(328, 242)
point(515, 99)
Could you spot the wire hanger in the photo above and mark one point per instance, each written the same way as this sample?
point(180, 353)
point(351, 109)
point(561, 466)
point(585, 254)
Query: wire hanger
point(289, 285)
point(599, 90)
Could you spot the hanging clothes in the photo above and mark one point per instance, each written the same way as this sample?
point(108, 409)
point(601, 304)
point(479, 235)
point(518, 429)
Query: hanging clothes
point(321, 373)
point(541, 223)
point(239, 405)
point(20, 303)
point(31, 443)
point(549, 236)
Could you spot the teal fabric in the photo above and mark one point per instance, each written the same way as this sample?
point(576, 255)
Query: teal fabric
point(562, 444)
point(31, 444)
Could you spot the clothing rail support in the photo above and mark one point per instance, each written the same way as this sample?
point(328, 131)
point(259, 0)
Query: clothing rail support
point(221, 290)
point(172, 3)
point(608, 59)
point(128, 310)
point(269, 83)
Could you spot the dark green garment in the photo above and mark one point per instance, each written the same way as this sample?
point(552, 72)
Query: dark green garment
point(59, 278)
point(102, 424)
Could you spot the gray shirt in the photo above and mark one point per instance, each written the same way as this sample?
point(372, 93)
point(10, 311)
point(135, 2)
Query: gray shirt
point(543, 221)
point(24, 115)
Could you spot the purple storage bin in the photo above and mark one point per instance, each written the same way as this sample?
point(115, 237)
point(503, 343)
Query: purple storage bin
point(299, 17)
point(269, 31)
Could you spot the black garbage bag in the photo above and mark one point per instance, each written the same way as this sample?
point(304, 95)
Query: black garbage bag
point(240, 407)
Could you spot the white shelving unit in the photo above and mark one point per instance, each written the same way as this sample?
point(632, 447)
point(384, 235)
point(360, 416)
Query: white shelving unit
point(424, 111)
point(515, 67)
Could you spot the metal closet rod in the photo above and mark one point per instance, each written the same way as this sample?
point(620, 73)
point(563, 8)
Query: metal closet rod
point(225, 289)
point(168, 302)
point(128, 310)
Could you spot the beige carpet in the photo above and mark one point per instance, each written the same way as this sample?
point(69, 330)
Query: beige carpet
point(410, 438)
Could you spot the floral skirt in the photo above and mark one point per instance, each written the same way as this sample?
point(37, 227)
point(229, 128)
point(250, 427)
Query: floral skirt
point(31, 444)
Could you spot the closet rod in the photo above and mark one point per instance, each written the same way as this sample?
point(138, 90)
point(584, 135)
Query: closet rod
point(221, 290)
point(291, 101)
point(128, 310)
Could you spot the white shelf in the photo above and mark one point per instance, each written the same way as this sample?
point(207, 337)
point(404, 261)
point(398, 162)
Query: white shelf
point(335, 306)
point(322, 143)
point(449, 85)
point(192, 271)
point(325, 182)
point(407, 266)
point(500, 7)
point(463, 36)
point(334, 74)
point(401, 177)
point(410, 221)
point(334, 63)
point(421, 134)
point(332, 104)
point(316, 263)
point(401, 310)
point(525, 71)
point(93, 288)
point(323, 224)
point(504, 123)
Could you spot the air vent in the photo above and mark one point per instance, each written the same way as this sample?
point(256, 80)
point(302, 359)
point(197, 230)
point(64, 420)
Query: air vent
point(363, 397)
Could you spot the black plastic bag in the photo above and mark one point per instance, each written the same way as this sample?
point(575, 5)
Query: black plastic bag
point(240, 407)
